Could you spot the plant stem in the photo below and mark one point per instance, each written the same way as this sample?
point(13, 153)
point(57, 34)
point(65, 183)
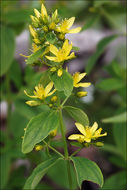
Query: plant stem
point(65, 148)
point(53, 149)
point(64, 101)
point(76, 152)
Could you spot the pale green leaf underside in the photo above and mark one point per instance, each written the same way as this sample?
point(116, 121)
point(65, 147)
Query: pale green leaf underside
point(87, 170)
point(39, 172)
point(63, 83)
point(77, 114)
point(38, 129)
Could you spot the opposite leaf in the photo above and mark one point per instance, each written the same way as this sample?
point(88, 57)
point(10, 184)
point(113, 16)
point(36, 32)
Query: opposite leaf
point(87, 170)
point(38, 129)
point(78, 115)
point(63, 83)
point(39, 172)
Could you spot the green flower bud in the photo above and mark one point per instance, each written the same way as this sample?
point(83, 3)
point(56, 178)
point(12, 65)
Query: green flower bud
point(81, 94)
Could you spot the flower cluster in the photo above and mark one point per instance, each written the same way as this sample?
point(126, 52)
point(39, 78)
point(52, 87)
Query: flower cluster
point(48, 33)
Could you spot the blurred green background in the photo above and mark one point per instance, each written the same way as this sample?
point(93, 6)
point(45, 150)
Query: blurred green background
point(102, 55)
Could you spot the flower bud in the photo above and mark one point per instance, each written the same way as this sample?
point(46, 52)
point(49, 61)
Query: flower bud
point(92, 10)
point(61, 36)
point(53, 69)
point(37, 13)
point(60, 72)
point(99, 144)
point(81, 94)
point(50, 105)
point(32, 31)
point(53, 133)
point(33, 103)
point(45, 28)
point(37, 41)
point(52, 26)
point(39, 147)
point(54, 98)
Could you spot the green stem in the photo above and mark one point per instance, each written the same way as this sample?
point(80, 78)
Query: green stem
point(64, 101)
point(74, 153)
point(53, 149)
point(65, 148)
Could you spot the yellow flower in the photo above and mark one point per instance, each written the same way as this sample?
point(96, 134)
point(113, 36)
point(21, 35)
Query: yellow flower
point(88, 133)
point(43, 11)
point(66, 25)
point(40, 92)
point(39, 147)
point(61, 54)
point(81, 94)
point(76, 79)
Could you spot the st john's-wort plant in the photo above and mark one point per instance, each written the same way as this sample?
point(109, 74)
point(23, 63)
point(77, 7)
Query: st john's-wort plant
point(50, 47)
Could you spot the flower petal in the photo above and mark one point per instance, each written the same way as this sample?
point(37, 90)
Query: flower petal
point(29, 95)
point(48, 88)
point(71, 56)
point(51, 58)
point(75, 30)
point(75, 137)
point(43, 11)
point(81, 128)
point(81, 76)
point(84, 84)
point(94, 127)
point(51, 92)
point(53, 49)
point(70, 22)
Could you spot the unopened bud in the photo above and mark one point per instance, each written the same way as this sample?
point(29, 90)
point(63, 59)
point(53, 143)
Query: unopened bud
point(86, 144)
point(37, 41)
point(50, 105)
point(99, 144)
point(38, 147)
point(45, 28)
point(37, 13)
point(92, 10)
point(32, 31)
point(53, 69)
point(81, 94)
point(24, 129)
point(33, 103)
point(53, 133)
point(59, 72)
point(54, 98)
point(61, 36)
point(52, 26)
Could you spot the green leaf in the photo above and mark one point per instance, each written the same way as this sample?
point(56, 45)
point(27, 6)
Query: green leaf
point(116, 119)
point(77, 114)
point(63, 83)
point(111, 148)
point(39, 172)
point(111, 84)
point(4, 169)
point(58, 174)
point(111, 182)
point(118, 161)
point(51, 37)
point(120, 134)
point(87, 170)
point(7, 47)
point(90, 21)
point(99, 50)
point(38, 129)
point(34, 57)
